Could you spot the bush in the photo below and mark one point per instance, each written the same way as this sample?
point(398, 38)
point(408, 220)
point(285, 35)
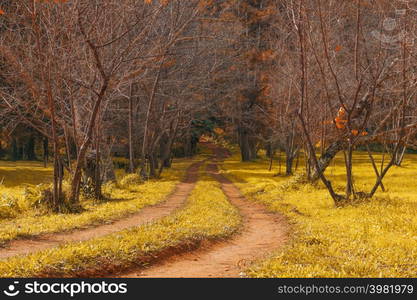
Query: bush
point(34, 194)
point(123, 163)
point(87, 189)
point(131, 179)
point(9, 206)
point(295, 182)
point(40, 198)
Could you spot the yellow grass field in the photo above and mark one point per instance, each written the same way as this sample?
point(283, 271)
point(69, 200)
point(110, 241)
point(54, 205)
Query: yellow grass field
point(207, 215)
point(14, 178)
point(377, 238)
point(18, 218)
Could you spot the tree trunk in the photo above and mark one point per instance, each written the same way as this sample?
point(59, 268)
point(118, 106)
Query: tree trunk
point(375, 167)
point(30, 148)
point(97, 175)
point(165, 153)
point(145, 146)
point(93, 175)
point(326, 158)
point(297, 161)
point(289, 164)
point(107, 166)
point(253, 149)
point(245, 149)
point(399, 156)
point(349, 175)
point(45, 152)
point(57, 199)
point(153, 165)
point(269, 150)
point(188, 144)
point(271, 158)
point(75, 182)
point(108, 174)
point(14, 150)
point(279, 161)
point(131, 153)
point(166, 144)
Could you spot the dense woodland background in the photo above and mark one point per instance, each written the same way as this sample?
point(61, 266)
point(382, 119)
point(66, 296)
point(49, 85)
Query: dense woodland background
point(82, 81)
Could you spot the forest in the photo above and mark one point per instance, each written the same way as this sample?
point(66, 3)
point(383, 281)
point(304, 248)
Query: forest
point(201, 138)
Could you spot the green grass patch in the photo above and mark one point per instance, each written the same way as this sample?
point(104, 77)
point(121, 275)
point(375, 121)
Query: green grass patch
point(207, 215)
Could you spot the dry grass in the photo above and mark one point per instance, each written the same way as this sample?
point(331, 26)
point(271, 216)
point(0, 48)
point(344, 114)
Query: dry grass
point(370, 239)
point(21, 220)
point(207, 215)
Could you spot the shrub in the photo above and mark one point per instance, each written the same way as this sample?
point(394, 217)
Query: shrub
point(123, 163)
point(130, 179)
point(9, 206)
point(40, 198)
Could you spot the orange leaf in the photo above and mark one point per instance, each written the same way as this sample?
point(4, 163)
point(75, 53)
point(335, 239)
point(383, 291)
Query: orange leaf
point(340, 125)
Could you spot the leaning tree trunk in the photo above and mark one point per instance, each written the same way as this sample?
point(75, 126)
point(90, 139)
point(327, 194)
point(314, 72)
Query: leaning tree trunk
point(82, 152)
point(253, 149)
point(326, 158)
point(399, 156)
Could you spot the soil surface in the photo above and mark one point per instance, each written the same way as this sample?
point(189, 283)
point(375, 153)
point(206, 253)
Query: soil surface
point(261, 233)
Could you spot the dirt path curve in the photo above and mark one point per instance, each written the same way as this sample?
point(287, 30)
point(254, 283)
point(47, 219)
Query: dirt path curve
point(262, 233)
point(174, 201)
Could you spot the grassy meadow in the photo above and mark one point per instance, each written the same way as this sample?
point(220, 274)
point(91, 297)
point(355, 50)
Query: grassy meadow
point(207, 215)
point(372, 238)
point(22, 180)
point(377, 238)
